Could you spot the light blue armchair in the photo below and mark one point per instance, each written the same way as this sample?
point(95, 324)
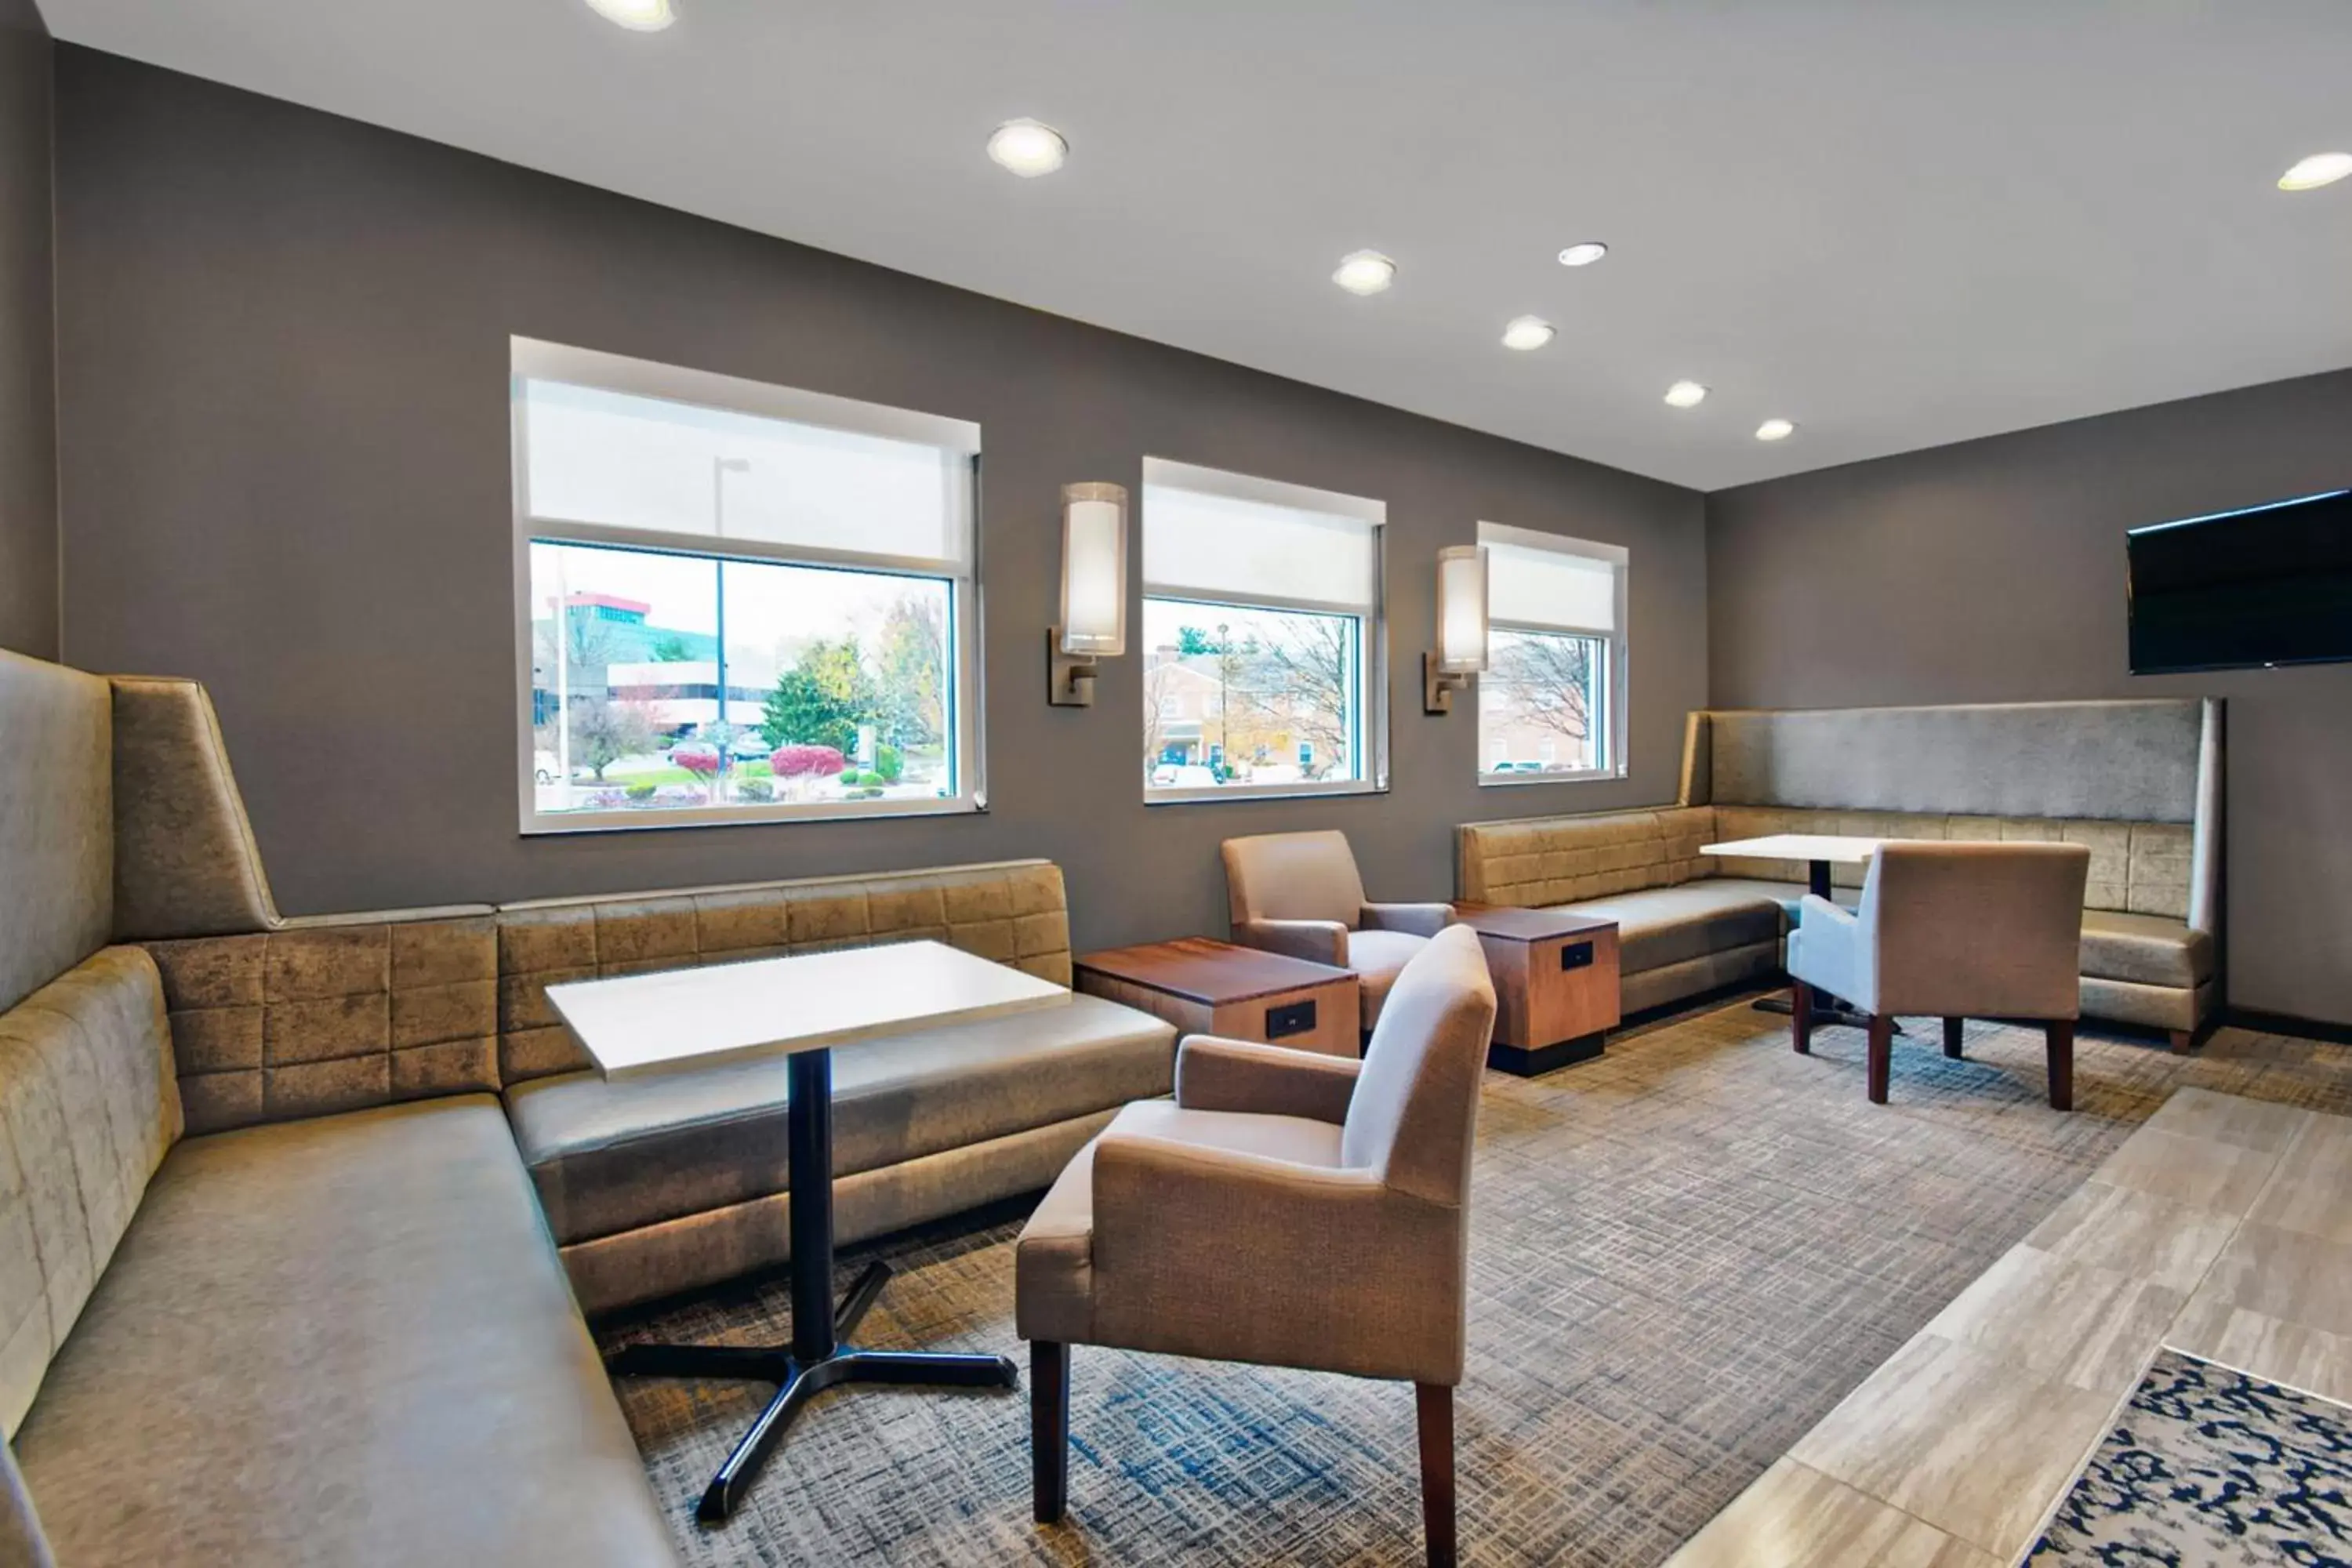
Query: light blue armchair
point(1956, 931)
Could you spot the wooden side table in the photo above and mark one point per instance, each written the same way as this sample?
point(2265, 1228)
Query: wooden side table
point(1555, 984)
point(1208, 987)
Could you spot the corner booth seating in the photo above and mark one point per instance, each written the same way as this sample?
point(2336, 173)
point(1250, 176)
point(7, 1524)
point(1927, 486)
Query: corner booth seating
point(2138, 782)
point(290, 1205)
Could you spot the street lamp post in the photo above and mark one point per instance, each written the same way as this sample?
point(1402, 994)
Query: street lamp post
point(1224, 700)
point(719, 468)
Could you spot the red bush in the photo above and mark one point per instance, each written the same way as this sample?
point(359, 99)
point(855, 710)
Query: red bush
point(702, 764)
point(806, 761)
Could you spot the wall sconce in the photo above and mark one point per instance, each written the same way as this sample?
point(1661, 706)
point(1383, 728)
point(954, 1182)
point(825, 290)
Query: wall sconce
point(1094, 592)
point(1461, 650)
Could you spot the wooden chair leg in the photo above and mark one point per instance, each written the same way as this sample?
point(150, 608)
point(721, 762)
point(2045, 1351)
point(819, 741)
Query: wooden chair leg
point(1801, 1013)
point(1881, 1053)
point(1049, 1428)
point(1435, 1404)
point(2060, 1034)
point(1952, 1037)
point(2183, 1041)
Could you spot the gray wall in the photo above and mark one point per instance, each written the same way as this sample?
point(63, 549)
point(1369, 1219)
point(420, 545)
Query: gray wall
point(283, 340)
point(1994, 570)
point(29, 430)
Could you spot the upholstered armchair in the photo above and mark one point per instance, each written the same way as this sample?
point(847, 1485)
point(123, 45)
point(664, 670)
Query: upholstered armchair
point(1299, 894)
point(1955, 930)
point(1287, 1208)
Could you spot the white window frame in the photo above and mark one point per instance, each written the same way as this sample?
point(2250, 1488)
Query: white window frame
point(1373, 659)
point(533, 360)
point(1616, 679)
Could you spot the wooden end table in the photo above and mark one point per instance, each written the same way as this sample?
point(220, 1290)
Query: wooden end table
point(1555, 976)
point(1208, 987)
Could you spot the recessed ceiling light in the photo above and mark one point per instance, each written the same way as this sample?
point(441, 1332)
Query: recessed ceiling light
point(1775, 430)
point(1365, 272)
point(1685, 395)
point(637, 15)
point(1028, 148)
point(1583, 254)
point(1527, 333)
point(2319, 169)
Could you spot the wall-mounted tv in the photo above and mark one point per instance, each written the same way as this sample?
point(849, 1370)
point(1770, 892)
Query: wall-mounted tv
point(2263, 585)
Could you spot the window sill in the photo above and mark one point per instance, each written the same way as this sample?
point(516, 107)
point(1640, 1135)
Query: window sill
point(1215, 793)
point(1584, 776)
point(552, 824)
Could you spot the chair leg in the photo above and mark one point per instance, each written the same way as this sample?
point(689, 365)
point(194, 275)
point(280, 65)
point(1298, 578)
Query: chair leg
point(1049, 1428)
point(2060, 1034)
point(1882, 1052)
point(1801, 1013)
point(1952, 1037)
point(2183, 1041)
point(1435, 1407)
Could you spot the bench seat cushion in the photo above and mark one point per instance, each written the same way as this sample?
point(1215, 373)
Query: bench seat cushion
point(2147, 950)
point(344, 1340)
point(612, 1156)
point(1659, 926)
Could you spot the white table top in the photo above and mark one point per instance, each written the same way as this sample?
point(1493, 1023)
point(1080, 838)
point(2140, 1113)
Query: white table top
point(1800, 847)
point(680, 1017)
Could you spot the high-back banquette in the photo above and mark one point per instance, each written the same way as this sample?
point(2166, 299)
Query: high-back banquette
point(88, 1103)
point(276, 1019)
point(2138, 782)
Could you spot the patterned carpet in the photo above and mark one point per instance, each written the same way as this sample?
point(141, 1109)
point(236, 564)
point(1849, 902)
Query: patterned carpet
point(1682, 1255)
point(2207, 1467)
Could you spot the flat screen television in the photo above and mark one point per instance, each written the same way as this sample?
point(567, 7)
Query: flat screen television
point(2263, 585)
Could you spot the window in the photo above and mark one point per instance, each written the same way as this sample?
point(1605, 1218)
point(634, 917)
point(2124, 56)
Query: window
point(1551, 702)
point(1262, 641)
point(736, 601)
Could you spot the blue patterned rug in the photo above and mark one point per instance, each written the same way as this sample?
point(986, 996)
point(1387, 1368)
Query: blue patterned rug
point(2208, 1467)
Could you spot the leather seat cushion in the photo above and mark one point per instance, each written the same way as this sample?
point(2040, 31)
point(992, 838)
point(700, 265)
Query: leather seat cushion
point(344, 1340)
point(1659, 926)
point(2149, 950)
point(610, 1156)
point(1378, 957)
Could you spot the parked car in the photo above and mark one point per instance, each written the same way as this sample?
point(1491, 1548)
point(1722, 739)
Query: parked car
point(750, 748)
point(546, 767)
point(1183, 775)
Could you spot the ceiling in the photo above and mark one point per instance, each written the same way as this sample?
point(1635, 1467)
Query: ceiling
point(1899, 222)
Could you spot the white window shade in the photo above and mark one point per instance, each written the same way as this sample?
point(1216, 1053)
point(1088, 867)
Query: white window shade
point(1206, 536)
point(616, 461)
point(1563, 586)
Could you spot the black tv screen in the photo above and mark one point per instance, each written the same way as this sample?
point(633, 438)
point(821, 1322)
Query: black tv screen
point(2263, 585)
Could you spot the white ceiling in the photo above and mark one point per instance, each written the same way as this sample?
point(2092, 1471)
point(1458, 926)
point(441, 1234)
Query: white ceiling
point(1898, 222)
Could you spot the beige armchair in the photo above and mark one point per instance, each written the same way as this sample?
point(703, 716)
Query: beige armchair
point(1955, 930)
point(1288, 1208)
point(1299, 894)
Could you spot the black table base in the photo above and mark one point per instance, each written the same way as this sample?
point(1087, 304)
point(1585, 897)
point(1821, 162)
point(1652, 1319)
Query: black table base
point(816, 1360)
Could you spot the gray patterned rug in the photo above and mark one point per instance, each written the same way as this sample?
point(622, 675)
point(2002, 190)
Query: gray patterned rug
point(1682, 1256)
point(2207, 1467)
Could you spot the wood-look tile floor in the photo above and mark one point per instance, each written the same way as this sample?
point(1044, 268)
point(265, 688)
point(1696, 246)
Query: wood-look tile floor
point(2222, 1228)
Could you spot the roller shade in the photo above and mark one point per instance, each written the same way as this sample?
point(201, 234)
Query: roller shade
point(1552, 582)
point(645, 455)
point(1208, 535)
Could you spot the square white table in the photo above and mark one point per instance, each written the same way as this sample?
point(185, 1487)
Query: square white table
point(798, 1007)
point(1818, 851)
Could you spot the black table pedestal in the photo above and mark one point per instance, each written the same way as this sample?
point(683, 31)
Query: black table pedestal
point(816, 1360)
